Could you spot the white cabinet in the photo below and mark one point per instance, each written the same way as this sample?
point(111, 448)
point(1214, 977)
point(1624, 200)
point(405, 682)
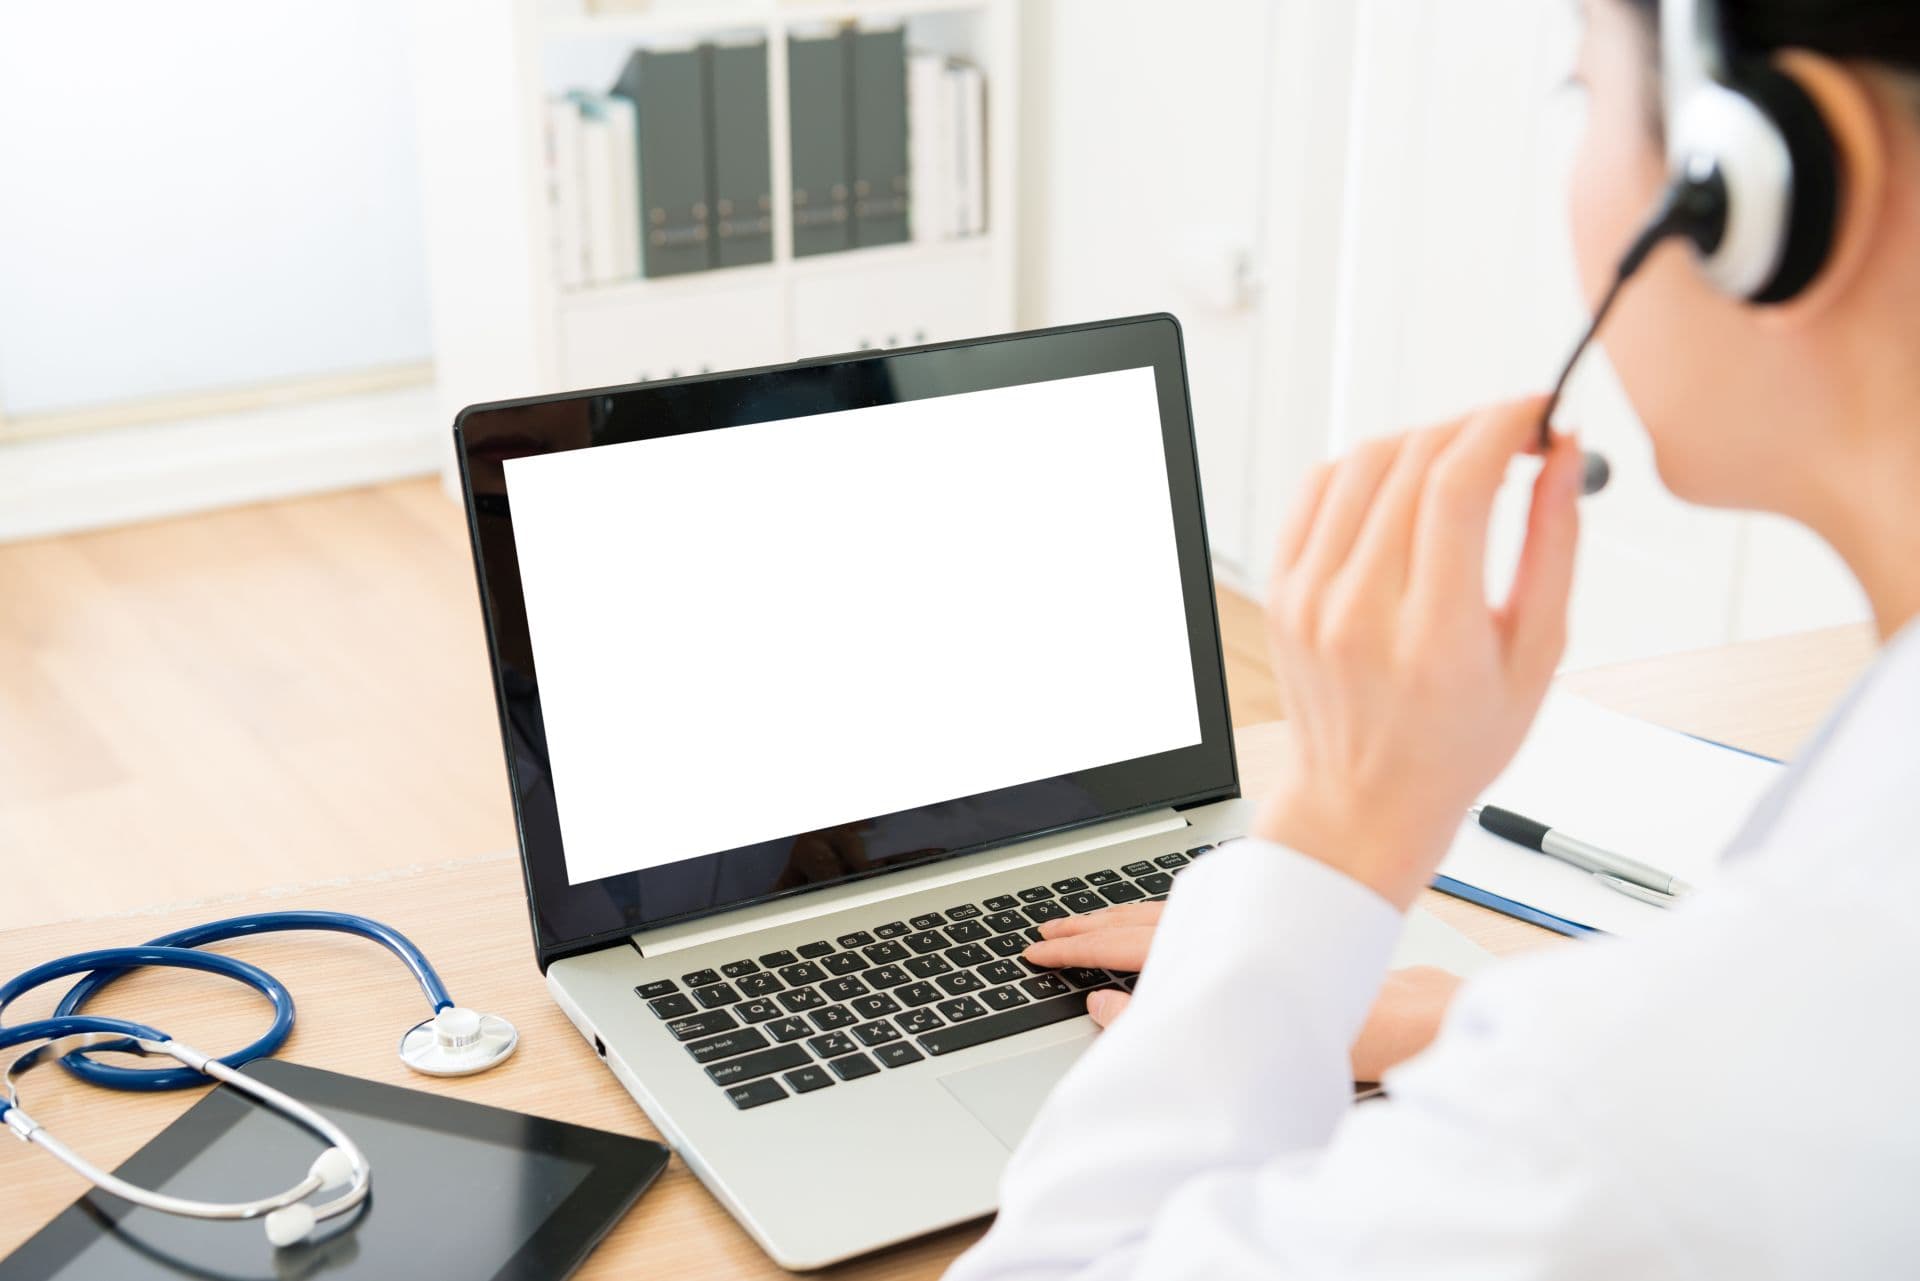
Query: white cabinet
point(625, 336)
point(885, 298)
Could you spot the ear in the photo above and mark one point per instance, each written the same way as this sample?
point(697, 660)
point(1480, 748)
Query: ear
point(1855, 113)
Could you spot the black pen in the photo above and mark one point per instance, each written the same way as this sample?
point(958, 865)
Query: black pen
point(1629, 876)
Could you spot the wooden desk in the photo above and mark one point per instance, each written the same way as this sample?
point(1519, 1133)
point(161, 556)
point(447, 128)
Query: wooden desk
point(470, 918)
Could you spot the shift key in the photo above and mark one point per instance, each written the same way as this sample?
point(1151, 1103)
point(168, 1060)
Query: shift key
point(778, 1059)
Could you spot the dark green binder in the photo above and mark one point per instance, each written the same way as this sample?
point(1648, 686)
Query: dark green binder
point(669, 93)
point(741, 164)
point(817, 76)
point(880, 195)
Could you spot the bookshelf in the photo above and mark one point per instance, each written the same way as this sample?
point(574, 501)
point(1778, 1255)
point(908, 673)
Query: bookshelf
point(504, 326)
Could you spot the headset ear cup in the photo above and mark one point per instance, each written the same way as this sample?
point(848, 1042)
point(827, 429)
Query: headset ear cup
point(1814, 202)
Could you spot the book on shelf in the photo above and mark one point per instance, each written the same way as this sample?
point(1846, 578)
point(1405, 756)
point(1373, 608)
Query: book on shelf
point(670, 170)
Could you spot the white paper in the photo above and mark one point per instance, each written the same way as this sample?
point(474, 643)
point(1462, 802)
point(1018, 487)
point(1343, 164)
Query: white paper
point(748, 633)
point(1636, 789)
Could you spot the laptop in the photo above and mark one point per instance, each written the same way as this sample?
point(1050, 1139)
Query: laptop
point(822, 687)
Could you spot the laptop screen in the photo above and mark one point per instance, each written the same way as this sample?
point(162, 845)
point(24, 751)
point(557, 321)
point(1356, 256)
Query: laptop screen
point(924, 615)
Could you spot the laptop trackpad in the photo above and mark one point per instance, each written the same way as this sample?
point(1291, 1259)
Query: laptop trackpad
point(1006, 1095)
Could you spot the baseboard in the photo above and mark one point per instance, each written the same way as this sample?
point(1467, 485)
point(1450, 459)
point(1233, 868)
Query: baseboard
point(115, 476)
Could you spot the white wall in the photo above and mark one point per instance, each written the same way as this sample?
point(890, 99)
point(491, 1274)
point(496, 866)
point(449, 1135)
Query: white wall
point(1393, 171)
point(204, 195)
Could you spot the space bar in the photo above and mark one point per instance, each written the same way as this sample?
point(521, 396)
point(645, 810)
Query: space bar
point(979, 1031)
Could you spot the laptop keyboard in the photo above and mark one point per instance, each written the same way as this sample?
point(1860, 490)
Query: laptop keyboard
point(769, 1027)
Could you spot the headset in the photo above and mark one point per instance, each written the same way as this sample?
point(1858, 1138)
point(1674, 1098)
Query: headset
point(1753, 180)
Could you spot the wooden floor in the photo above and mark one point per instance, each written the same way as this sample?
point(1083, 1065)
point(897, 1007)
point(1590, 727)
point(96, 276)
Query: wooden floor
point(268, 695)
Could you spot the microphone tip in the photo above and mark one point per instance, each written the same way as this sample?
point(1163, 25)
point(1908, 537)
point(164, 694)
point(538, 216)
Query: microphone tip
point(1597, 473)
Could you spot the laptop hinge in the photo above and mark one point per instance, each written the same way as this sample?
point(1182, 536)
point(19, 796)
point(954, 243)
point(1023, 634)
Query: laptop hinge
point(839, 898)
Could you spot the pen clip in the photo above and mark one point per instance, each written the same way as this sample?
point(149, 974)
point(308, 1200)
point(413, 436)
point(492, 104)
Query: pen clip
point(1641, 892)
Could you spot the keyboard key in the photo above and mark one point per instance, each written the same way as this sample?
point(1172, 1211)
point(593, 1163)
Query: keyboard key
point(1069, 886)
point(774, 960)
point(1034, 967)
point(1033, 933)
point(758, 985)
point(789, 1029)
point(961, 1036)
point(968, 955)
point(1198, 850)
point(701, 978)
point(843, 963)
point(898, 1055)
point(925, 941)
point(1007, 922)
point(702, 1025)
point(1175, 859)
point(878, 1032)
point(832, 1017)
point(738, 969)
point(853, 1067)
point(1003, 998)
point(965, 912)
point(1044, 987)
point(1034, 893)
point(964, 981)
point(755, 1093)
point(960, 1009)
point(881, 953)
point(928, 921)
point(1157, 883)
point(892, 929)
point(1084, 901)
point(715, 996)
point(925, 967)
point(805, 998)
point(886, 976)
point(1002, 972)
point(815, 950)
point(843, 989)
point(968, 931)
point(802, 974)
point(671, 1006)
point(659, 987)
point(1001, 903)
point(1007, 944)
point(762, 1063)
point(1082, 977)
point(726, 1045)
point(873, 1007)
point(832, 1045)
point(1141, 868)
point(918, 993)
point(808, 1079)
point(1048, 911)
point(1124, 892)
point(919, 1021)
point(758, 1010)
point(859, 938)
point(1105, 876)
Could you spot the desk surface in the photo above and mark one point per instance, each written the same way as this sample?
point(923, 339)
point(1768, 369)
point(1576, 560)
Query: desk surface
point(470, 918)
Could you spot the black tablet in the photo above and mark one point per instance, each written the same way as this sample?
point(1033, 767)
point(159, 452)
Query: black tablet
point(459, 1190)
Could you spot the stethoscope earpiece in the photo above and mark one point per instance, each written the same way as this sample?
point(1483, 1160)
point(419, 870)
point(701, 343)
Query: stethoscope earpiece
point(1595, 473)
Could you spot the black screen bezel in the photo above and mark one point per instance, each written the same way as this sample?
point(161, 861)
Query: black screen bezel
point(619, 1168)
point(568, 919)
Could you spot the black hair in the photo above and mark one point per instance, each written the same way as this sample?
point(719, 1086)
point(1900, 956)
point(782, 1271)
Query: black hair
point(1882, 31)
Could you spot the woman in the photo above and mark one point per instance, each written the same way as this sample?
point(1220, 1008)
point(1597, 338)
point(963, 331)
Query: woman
point(1697, 1102)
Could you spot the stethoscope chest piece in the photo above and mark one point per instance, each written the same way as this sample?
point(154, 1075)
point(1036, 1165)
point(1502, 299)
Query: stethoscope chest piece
point(457, 1042)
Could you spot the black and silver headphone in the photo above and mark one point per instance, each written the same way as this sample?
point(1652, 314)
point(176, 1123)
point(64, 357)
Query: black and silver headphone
point(1753, 178)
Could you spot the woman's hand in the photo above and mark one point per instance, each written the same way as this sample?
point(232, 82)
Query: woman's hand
point(1403, 1021)
point(1405, 691)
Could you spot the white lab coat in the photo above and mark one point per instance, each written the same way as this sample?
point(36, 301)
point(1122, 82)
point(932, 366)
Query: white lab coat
point(1727, 1096)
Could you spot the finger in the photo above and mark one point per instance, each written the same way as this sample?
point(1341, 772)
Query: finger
point(1344, 508)
point(1106, 1005)
point(1385, 545)
point(1450, 544)
point(1299, 521)
point(1535, 615)
point(1122, 949)
point(1105, 919)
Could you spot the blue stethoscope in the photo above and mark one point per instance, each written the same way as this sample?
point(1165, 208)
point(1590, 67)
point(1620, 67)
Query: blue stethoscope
point(455, 1041)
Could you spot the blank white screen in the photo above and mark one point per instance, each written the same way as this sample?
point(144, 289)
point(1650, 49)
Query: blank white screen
point(747, 633)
